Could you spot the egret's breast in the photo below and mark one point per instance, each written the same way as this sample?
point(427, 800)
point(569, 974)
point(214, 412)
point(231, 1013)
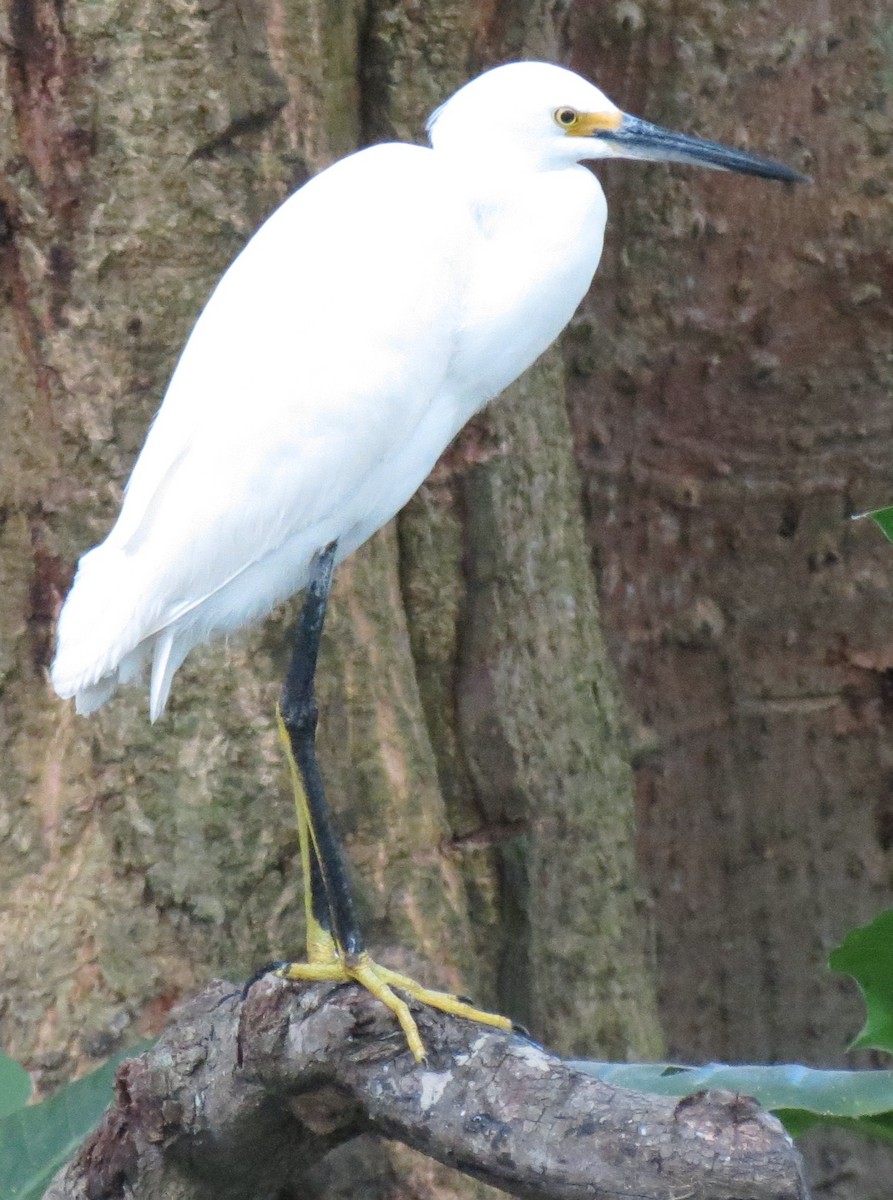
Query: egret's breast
point(539, 248)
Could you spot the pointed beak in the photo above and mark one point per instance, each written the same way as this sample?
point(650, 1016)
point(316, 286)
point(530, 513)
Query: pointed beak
point(634, 138)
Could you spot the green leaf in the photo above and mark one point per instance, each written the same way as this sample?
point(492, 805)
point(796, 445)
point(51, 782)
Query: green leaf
point(883, 518)
point(15, 1086)
point(36, 1141)
point(797, 1122)
point(866, 954)
point(799, 1096)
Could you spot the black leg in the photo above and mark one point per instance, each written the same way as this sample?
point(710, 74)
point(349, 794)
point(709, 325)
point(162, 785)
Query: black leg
point(332, 903)
point(335, 951)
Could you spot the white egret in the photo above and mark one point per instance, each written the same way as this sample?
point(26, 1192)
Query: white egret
point(366, 321)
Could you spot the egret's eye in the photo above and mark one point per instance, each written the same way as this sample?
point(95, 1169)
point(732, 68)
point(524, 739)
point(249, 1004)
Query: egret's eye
point(565, 117)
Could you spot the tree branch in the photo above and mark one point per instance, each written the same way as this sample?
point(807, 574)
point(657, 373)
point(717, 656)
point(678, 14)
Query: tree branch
point(239, 1100)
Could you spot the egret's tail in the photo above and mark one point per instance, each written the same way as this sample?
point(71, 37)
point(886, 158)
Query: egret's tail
point(106, 637)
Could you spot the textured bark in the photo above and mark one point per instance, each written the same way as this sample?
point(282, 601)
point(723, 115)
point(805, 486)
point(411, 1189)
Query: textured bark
point(142, 144)
point(731, 402)
point(533, 754)
point(239, 1100)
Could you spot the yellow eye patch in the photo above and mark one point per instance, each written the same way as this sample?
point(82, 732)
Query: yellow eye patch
point(577, 124)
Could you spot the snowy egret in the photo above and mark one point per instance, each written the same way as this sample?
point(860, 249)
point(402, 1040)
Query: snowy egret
point(366, 321)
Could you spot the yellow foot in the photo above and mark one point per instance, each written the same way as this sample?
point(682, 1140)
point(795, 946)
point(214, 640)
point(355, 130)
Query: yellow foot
point(381, 983)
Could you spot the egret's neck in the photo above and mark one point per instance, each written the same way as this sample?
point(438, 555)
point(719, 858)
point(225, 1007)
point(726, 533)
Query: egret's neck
point(550, 208)
point(499, 172)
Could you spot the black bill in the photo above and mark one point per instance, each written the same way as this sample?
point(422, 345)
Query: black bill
point(640, 139)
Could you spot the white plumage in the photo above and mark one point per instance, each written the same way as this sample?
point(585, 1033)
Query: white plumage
point(364, 323)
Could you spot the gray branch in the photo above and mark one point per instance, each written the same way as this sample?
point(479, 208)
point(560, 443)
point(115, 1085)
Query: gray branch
point(240, 1100)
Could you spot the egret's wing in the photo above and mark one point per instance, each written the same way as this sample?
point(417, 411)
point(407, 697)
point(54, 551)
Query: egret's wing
point(322, 348)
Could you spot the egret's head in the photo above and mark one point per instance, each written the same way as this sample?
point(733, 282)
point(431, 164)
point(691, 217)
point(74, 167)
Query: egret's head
point(540, 115)
point(520, 112)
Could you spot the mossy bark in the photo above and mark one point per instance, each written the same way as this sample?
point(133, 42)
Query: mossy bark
point(470, 737)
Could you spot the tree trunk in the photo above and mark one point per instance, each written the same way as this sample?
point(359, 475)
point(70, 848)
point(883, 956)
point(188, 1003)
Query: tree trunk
point(470, 738)
point(731, 401)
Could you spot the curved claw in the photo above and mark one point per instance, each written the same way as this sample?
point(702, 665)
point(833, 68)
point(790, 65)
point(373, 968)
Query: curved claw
point(258, 975)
